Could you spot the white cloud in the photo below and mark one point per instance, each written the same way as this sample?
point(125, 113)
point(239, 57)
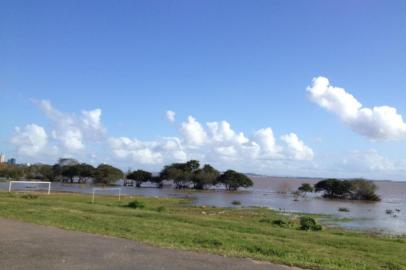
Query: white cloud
point(92, 119)
point(193, 132)
point(267, 143)
point(381, 122)
point(31, 140)
point(72, 132)
point(216, 142)
point(296, 149)
point(171, 116)
point(148, 152)
point(221, 132)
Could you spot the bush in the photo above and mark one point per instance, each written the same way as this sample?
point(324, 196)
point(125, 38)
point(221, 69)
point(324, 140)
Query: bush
point(356, 189)
point(265, 220)
point(309, 224)
point(30, 196)
point(161, 209)
point(343, 209)
point(281, 223)
point(236, 203)
point(136, 204)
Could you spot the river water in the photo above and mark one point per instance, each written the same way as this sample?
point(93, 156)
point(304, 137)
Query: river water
point(275, 192)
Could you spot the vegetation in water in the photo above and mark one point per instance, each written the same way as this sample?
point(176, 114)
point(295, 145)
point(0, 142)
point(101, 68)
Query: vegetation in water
point(357, 189)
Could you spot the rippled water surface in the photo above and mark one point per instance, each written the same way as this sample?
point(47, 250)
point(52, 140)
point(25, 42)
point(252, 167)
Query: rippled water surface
point(273, 192)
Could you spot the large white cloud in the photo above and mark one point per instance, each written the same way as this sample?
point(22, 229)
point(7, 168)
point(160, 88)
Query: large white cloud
point(148, 152)
point(381, 122)
point(193, 132)
point(70, 131)
point(30, 141)
point(216, 142)
point(296, 149)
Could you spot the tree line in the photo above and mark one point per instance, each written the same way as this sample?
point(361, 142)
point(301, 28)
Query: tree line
point(355, 189)
point(184, 175)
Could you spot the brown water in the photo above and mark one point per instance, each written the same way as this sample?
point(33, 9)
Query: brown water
point(274, 192)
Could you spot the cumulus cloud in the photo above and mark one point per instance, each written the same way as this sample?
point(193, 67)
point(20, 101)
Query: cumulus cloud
point(148, 152)
point(171, 116)
point(266, 141)
point(72, 131)
point(296, 149)
point(193, 132)
point(216, 142)
point(380, 122)
point(30, 140)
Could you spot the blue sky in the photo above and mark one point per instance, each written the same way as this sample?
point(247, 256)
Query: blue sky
point(246, 63)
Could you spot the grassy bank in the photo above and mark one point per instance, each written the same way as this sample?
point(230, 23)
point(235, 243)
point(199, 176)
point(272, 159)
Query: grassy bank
point(235, 232)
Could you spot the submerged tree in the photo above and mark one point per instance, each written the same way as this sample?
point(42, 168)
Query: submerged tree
point(181, 173)
point(139, 176)
point(204, 177)
point(233, 180)
point(107, 174)
point(305, 188)
point(358, 189)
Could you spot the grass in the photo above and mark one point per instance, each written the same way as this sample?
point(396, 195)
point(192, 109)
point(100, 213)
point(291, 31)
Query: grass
point(255, 232)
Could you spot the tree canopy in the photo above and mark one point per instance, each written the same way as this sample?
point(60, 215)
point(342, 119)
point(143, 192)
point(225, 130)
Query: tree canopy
point(357, 189)
point(107, 174)
point(139, 176)
point(305, 188)
point(233, 180)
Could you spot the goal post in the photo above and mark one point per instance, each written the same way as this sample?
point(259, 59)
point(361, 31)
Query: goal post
point(29, 182)
point(118, 190)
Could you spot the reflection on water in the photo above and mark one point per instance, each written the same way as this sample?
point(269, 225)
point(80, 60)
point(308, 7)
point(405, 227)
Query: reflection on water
point(273, 192)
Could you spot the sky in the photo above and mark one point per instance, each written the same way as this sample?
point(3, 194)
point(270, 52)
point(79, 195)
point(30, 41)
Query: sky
point(293, 88)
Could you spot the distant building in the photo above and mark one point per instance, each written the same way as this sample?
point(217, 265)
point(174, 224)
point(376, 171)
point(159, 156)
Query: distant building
point(2, 158)
point(12, 161)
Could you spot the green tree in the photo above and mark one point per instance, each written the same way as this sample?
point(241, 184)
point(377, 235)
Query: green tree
point(233, 180)
point(358, 189)
point(107, 174)
point(85, 172)
point(362, 189)
point(139, 176)
point(181, 173)
point(47, 173)
point(305, 188)
point(69, 172)
point(204, 177)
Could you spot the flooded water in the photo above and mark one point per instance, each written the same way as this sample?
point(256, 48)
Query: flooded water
point(274, 192)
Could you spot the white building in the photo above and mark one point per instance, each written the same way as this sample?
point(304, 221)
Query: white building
point(2, 158)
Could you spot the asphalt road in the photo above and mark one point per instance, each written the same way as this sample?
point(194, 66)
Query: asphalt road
point(30, 246)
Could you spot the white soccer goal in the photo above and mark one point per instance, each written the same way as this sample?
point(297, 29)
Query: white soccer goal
point(107, 190)
point(30, 185)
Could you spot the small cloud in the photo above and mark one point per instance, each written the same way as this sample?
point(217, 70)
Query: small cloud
point(171, 116)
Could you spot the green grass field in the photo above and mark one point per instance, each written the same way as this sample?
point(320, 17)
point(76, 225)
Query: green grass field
point(233, 232)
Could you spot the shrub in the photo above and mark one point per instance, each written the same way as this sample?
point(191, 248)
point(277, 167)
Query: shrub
point(356, 189)
point(309, 224)
point(265, 220)
point(161, 209)
point(236, 203)
point(30, 196)
point(281, 223)
point(343, 209)
point(136, 204)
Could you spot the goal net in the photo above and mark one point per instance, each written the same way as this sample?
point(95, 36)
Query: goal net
point(106, 191)
point(29, 186)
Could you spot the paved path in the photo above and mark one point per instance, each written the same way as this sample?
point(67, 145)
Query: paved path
point(30, 246)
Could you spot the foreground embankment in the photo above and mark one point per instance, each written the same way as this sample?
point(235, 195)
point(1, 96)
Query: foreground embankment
point(256, 233)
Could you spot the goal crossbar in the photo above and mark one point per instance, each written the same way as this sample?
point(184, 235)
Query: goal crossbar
point(29, 182)
point(106, 189)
